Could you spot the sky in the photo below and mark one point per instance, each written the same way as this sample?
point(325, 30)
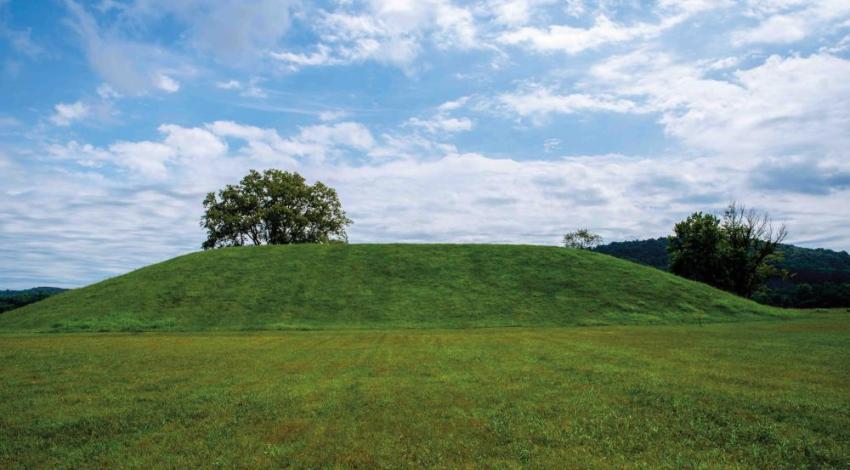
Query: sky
point(487, 121)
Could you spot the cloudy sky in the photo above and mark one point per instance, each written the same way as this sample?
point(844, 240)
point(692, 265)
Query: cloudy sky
point(437, 120)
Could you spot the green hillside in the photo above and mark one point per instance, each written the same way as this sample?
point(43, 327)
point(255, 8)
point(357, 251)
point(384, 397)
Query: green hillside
point(383, 286)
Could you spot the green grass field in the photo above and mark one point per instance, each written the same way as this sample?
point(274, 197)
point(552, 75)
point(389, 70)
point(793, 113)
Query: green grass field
point(759, 394)
point(418, 356)
point(384, 286)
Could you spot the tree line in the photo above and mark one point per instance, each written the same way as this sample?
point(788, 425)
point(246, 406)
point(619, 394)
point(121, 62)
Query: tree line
point(12, 299)
point(805, 278)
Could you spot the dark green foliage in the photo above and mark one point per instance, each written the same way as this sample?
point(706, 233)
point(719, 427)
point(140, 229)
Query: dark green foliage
point(12, 299)
point(816, 277)
point(804, 295)
point(276, 208)
point(651, 252)
point(696, 250)
point(731, 253)
point(815, 266)
point(384, 286)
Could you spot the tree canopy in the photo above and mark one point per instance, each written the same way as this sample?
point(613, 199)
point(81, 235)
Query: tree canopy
point(273, 207)
point(733, 252)
point(582, 239)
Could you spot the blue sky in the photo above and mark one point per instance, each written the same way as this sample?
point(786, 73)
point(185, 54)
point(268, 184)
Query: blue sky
point(437, 120)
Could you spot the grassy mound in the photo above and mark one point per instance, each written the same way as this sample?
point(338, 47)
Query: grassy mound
point(384, 286)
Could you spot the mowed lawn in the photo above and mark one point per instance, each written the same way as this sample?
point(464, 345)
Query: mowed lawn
point(765, 394)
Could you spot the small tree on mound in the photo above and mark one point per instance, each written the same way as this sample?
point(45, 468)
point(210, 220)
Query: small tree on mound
point(582, 239)
point(273, 207)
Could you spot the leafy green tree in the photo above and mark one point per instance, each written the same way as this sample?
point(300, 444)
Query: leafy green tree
point(737, 252)
point(696, 249)
point(582, 239)
point(273, 207)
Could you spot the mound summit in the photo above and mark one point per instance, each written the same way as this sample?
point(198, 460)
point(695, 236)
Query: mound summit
point(384, 286)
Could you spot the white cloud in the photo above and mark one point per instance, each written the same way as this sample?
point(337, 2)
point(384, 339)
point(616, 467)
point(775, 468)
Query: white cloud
point(391, 196)
point(791, 21)
point(516, 12)
point(453, 104)
point(409, 197)
point(776, 29)
point(723, 64)
point(573, 40)
point(149, 159)
point(456, 27)
point(538, 102)
point(322, 56)
point(167, 84)
point(386, 31)
point(442, 124)
point(66, 114)
point(351, 38)
point(441, 120)
point(143, 160)
point(349, 134)
point(544, 36)
point(783, 105)
point(313, 143)
point(193, 143)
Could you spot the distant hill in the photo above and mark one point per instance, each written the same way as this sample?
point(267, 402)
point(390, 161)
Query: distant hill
point(12, 299)
point(384, 286)
point(33, 291)
point(651, 252)
point(818, 277)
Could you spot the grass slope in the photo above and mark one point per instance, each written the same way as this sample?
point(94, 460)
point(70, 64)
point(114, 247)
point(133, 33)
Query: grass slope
point(744, 395)
point(384, 286)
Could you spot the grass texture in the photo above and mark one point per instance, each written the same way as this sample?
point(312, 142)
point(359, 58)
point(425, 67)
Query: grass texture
point(384, 286)
point(743, 395)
